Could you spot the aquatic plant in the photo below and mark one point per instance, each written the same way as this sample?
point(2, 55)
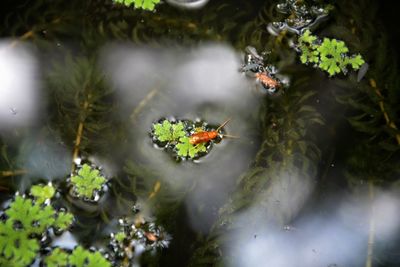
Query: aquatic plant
point(186, 149)
point(329, 55)
point(78, 257)
point(167, 132)
point(144, 4)
point(137, 235)
point(88, 182)
point(174, 135)
point(26, 222)
point(42, 192)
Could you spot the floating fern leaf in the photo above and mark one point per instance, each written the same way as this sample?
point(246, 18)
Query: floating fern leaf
point(33, 218)
point(57, 258)
point(168, 132)
point(15, 246)
point(330, 55)
point(84, 258)
point(42, 192)
point(144, 4)
point(87, 182)
point(186, 149)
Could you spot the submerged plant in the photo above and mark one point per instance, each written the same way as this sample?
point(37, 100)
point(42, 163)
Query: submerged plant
point(26, 222)
point(88, 182)
point(329, 55)
point(144, 4)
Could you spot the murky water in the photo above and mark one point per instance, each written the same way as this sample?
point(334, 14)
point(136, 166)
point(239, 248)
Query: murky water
point(311, 180)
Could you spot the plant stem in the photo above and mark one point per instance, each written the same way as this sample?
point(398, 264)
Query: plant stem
point(12, 173)
point(142, 104)
point(371, 233)
point(389, 122)
point(79, 134)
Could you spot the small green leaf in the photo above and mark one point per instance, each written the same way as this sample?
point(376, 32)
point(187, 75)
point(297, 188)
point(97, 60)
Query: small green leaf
point(87, 182)
point(120, 236)
point(186, 149)
point(16, 248)
point(356, 62)
point(163, 131)
point(83, 258)
point(144, 4)
point(63, 220)
point(42, 192)
point(57, 258)
point(309, 52)
point(33, 218)
point(168, 132)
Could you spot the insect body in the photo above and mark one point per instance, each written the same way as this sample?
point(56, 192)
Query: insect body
point(270, 84)
point(205, 136)
point(264, 74)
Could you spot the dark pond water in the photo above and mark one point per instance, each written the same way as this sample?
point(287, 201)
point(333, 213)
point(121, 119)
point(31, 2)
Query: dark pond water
point(312, 179)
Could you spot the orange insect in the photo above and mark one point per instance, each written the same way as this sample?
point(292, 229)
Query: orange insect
point(205, 136)
point(151, 237)
point(267, 81)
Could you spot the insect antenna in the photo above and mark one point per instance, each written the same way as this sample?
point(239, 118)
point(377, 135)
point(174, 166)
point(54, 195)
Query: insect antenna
point(223, 124)
point(230, 136)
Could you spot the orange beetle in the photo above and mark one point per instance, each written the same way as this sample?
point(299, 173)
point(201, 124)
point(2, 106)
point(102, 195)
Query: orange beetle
point(267, 81)
point(205, 136)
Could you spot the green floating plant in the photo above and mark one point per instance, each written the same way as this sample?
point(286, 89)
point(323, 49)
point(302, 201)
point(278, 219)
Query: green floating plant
point(329, 55)
point(186, 149)
point(79, 257)
point(144, 4)
point(175, 136)
point(16, 247)
point(168, 132)
point(27, 220)
point(88, 182)
point(42, 192)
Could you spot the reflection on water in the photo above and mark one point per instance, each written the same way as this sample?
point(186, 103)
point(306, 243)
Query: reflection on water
point(336, 235)
point(19, 94)
point(198, 83)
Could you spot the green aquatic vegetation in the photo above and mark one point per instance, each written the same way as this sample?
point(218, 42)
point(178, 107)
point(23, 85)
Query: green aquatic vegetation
point(57, 258)
point(16, 247)
point(175, 136)
point(307, 44)
point(168, 132)
point(144, 4)
point(186, 149)
point(42, 192)
point(329, 55)
point(79, 257)
point(87, 182)
point(120, 236)
point(26, 221)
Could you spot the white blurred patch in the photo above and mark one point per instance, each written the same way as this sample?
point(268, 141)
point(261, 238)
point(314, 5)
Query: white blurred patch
point(202, 82)
point(19, 86)
point(188, 4)
point(337, 236)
